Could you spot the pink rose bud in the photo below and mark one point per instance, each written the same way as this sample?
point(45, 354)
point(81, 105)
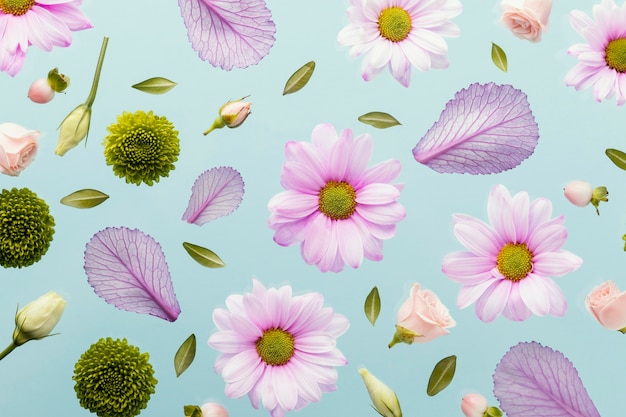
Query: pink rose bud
point(421, 318)
point(608, 305)
point(527, 19)
point(40, 91)
point(18, 147)
point(579, 193)
point(474, 405)
point(213, 410)
point(235, 112)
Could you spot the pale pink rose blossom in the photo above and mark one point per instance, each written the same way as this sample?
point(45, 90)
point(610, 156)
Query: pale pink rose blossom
point(608, 305)
point(474, 405)
point(527, 19)
point(578, 193)
point(213, 410)
point(40, 91)
point(18, 147)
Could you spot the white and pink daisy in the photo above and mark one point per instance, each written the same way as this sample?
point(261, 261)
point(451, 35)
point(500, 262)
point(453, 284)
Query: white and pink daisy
point(278, 348)
point(400, 33)
point(43, 23)
point(337, 208)
point(602, 60)
point(508, 265)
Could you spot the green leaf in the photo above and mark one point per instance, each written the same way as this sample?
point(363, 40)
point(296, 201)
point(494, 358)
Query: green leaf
point(155, 85)
point(498, 56)
point(442, 375)
point(185, 355)
point(203, 256)
point(192, 411)
point(299, 78)
point(84, 199)
point(618, 157)
point(379, 120)
point(372, 305)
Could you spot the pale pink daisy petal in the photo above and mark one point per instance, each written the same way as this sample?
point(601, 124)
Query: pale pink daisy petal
point(492, 302)
point(556, 264)
point(479, 240)
point(515, 309)
point(534, 294)
point(470, 293)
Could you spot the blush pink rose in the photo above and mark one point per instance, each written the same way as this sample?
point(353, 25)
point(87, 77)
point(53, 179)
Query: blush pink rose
point(18, 147)
point(424, 314)
point(213, 410)
point(527, 19)
point(608, 305)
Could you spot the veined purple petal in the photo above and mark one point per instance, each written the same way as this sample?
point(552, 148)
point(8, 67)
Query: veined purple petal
point(229, 33)
point(216, 193)
point(127, 268)
point(485, 129)
point(534, 380)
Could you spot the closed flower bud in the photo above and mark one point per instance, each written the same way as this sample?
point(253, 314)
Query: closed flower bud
point(384, 399)
point(213, 410)
point(37, 318)
point(232, 114)
point(40, 91)
point(578, 193)
point(73, 129)
point(474, 405)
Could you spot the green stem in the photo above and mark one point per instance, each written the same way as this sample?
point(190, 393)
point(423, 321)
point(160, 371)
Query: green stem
point(8, 350)
point(96, 76)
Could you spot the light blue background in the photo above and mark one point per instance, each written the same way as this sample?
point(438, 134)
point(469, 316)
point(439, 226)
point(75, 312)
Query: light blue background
point(147, 39)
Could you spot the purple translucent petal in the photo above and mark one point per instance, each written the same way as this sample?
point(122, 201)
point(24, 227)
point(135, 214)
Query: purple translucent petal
point(485, 129)
point(216, 193)
point(229, 33)
point(533, 380)
point(127, 268)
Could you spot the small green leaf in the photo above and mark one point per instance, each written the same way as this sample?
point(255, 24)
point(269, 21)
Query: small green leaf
point(203, 256)
point(192, 411)
point(299, 78)
point(493, 412)
point(372, 305)
point(184, 355)
point(155, 85)
point(618, 157)
point(84, 199)
point(442, 375)
point(379, 120)
point(498, 56)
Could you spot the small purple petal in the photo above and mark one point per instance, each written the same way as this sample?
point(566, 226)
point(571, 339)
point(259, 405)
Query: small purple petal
point(216, 193)
point(127, 268)
point(229, 33)
point(485, 129)
point(534, 380)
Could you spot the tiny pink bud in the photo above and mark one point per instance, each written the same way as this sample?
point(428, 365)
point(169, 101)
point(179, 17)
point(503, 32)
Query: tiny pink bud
point(213, 410)
point(474, 405)
point(234, 113)
point(579, 193)
point(40, 91)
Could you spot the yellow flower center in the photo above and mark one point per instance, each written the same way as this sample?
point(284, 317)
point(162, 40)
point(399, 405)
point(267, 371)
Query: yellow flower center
point(615, 54)
point(394, 24)
point(515, 261)
point(337, 200)
point(16, 7)
point(275, 347)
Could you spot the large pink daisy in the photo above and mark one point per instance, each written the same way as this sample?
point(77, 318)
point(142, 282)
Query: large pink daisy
point(602, 60)
point(508, 265)
point(339, 209)
point(400, 33)
point(43, 23)
point(278, 348)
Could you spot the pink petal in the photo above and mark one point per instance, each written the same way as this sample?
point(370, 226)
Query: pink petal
point(555, 264)
point(382, 214)
point(535, 294)
point(547, 239)
point(293, 204)
point(349, 242)
point(377, 193)
point(492, 302)
point(478, 238)
point(467, 268)
point(516, 309)
point(470, 293)
point(382, 172)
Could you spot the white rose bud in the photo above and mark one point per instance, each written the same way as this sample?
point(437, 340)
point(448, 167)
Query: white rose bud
point(384, 399)
point(74, 128)
point(37, 318)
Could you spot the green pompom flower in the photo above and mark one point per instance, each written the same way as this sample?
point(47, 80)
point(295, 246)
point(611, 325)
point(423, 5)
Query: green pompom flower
point(113, 379)
point(141, 147)
point(26, 228)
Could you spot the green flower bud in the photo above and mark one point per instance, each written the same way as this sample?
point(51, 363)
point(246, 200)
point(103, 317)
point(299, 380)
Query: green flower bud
point(37, 318)
point(74, 128)
point(384, 399)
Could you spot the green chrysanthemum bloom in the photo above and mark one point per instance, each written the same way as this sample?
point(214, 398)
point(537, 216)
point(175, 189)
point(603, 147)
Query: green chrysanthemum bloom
point(113, 379)
point(26, 228)
point(141, 147)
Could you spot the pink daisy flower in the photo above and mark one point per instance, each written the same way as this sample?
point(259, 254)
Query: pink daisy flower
point(278, 348)
point(400, 33)
point(338, 209)
point(508, 265)
point(602, 60)
point(43, 23)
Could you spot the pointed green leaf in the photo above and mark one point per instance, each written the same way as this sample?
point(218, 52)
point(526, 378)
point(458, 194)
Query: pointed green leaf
point(379, 120)
point(498, 56)
point(299, 78)
point(372, 305)
point(442, 375)
point(185, 355)
point(84, 199)
point(155, 85)
point(203, 256)
point(618, 157)
point(192, 411)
